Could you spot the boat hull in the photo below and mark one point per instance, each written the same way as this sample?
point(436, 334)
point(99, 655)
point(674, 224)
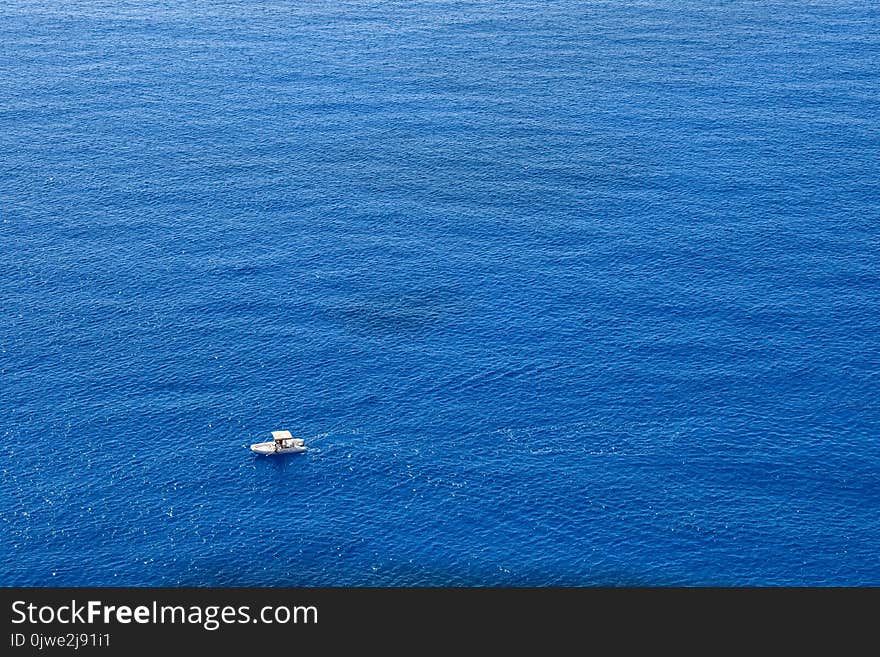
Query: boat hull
point(269, 448)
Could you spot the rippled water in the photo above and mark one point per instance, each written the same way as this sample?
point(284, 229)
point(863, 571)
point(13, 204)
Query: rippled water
point(570, 293)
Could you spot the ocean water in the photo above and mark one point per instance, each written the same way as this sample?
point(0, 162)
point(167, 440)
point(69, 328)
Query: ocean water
point(558, 293)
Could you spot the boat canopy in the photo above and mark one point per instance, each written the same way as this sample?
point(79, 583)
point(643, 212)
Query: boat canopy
point(281, 435)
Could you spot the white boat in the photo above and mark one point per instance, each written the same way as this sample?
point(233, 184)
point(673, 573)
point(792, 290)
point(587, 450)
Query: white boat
point(282, 443)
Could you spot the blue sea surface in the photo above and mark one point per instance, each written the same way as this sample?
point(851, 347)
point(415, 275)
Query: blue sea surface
point(558, 293)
